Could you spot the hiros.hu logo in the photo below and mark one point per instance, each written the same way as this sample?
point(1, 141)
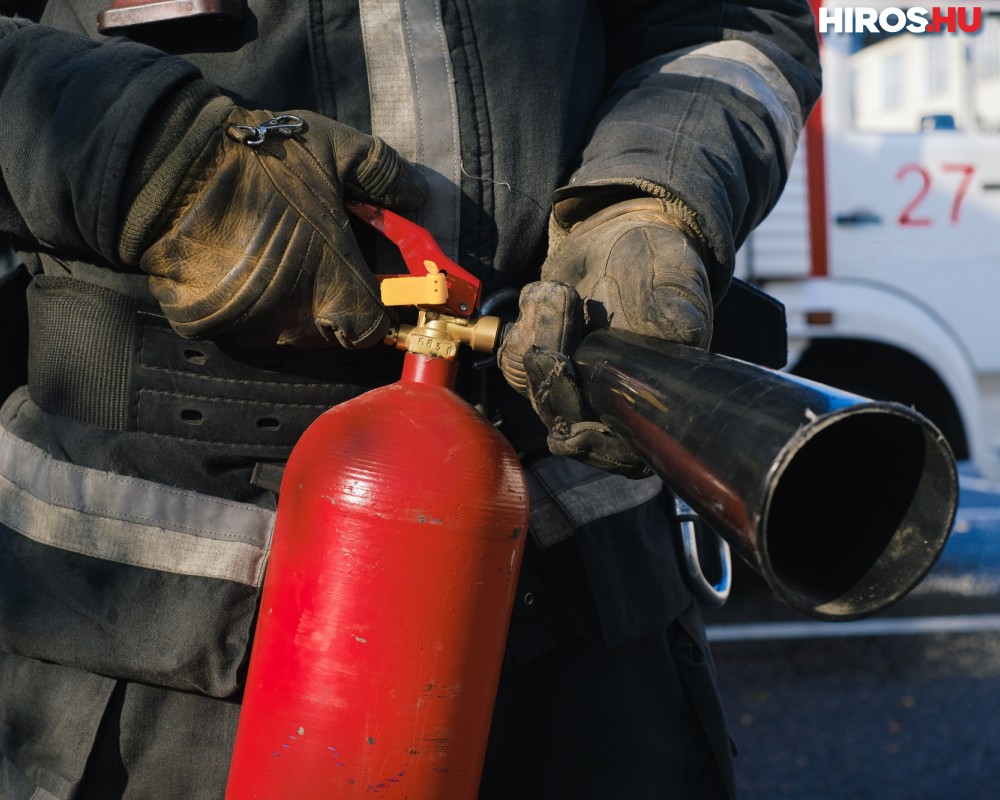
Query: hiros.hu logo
point(861, 19)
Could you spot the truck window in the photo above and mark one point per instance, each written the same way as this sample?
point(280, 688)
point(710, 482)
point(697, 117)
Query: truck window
point(905, 82)
point(919, 82)
point(986, 74)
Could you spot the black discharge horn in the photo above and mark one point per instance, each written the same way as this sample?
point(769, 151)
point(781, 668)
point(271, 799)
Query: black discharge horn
point(841, 503)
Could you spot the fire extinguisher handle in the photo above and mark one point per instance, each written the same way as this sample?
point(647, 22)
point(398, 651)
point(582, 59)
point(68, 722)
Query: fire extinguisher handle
point(423, 258)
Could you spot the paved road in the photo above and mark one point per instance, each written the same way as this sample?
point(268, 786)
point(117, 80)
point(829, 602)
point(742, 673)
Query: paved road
point(905, 706)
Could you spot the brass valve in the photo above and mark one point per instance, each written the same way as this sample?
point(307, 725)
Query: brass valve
point(438, 334)
point(445, 294)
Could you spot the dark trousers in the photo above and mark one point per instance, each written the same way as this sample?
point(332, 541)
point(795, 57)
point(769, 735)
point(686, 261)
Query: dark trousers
point(580, 722)
point(574, 718)
point(592, 723)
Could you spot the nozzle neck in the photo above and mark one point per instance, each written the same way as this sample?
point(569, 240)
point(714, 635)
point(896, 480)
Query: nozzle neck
point(421, 368)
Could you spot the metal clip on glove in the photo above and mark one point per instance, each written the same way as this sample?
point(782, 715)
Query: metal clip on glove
point(254, 243)
point(633, 266)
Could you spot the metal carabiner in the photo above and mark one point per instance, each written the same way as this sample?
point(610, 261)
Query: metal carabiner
point(713, 595)
point(287, 124)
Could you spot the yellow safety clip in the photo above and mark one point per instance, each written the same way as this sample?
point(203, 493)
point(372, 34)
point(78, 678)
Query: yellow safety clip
point(416, 290)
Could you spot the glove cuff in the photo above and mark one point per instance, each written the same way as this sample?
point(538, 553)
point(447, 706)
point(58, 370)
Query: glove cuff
point(575, 205)
point(170, 142)
point(11, 24)
point(575, 209)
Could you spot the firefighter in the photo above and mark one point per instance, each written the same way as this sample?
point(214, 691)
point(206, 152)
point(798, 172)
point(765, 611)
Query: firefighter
point(198, 296)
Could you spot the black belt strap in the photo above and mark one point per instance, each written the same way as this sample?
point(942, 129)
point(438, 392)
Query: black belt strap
point(103, 358)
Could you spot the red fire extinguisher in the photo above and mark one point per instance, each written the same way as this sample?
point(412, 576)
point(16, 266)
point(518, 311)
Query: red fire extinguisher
point(389, 588)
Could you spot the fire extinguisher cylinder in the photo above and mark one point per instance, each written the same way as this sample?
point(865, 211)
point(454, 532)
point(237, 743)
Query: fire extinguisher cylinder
point(385, 608)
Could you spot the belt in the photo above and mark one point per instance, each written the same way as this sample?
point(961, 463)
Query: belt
point(103, 358)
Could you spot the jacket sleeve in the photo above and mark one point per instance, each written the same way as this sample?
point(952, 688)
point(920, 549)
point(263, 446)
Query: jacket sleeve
point(704, 109)
point(73, 109)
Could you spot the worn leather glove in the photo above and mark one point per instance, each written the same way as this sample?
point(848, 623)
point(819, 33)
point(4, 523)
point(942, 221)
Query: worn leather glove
point(255, 244)
point(633, 265)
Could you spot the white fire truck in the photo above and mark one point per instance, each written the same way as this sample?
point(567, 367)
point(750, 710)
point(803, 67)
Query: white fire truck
point(885, 246)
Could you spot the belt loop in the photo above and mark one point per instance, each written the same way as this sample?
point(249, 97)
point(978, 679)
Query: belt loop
point(267, 475)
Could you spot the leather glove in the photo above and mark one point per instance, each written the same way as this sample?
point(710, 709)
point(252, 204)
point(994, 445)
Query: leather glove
point(255, 244)
point(632, 266)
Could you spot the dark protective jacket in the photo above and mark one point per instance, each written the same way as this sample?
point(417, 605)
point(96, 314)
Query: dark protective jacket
point(135, 509)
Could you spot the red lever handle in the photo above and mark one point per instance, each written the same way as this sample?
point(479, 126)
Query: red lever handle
point(418, 247)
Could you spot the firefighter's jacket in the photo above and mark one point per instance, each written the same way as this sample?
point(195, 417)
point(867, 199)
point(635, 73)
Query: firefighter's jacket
point(137, 469)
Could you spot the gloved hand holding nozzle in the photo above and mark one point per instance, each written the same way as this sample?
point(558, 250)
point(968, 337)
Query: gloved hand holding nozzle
point(634, 266)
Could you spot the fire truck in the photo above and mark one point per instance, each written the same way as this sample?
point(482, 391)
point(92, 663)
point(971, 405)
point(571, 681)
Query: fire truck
point(885, 245)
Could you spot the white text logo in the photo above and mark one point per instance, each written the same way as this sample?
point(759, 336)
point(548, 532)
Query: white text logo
point(861, 19)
